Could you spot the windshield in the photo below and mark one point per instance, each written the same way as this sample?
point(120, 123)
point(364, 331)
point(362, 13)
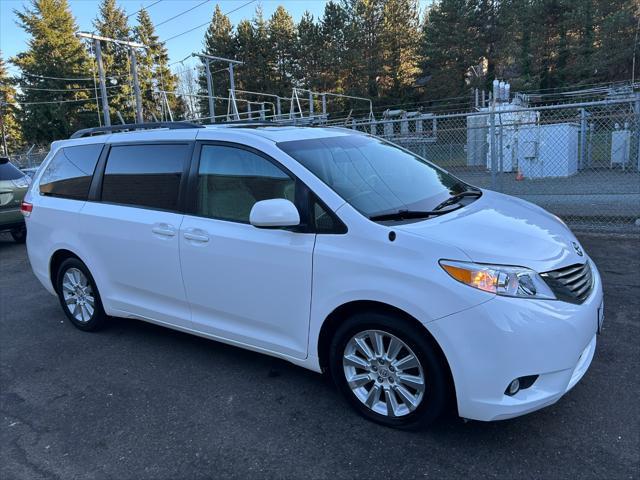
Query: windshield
point(375, 177)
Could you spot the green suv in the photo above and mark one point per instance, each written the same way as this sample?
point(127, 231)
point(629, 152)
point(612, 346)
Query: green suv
point(13, 186)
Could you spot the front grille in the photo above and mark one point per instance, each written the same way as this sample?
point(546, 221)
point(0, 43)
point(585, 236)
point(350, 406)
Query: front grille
point(571, 284)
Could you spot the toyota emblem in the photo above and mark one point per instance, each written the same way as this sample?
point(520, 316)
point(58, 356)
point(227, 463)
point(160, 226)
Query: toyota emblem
point(577, 248)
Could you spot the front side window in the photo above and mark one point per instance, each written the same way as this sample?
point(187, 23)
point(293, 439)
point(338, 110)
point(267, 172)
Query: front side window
point(375, 177)
point(231, 180)
point(70, 171)
point(144, 175)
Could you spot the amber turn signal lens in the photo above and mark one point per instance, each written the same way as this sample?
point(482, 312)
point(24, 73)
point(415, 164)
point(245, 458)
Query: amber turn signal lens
point(483, 279)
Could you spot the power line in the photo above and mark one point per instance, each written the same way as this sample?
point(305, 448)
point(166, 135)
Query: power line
point(51, 102)
point(144, 8)
point(179, 61)
point(181, 13)
point(79, 79)
point(208, 22)
point(64, 89)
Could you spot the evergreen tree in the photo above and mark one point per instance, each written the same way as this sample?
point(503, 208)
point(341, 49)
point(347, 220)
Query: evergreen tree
point(53, 51)
point(449, 47)
point(282, 36)
point(509, 50)
point(400, 37)
point(584, 53)
point(254, 49)
point(112, 23)
point(552, 48)
point(154, 75)
point(10, 131)
point(617, 23)
point(365, 50)
point(333, 54)
point(308, 52)
point(220, 42)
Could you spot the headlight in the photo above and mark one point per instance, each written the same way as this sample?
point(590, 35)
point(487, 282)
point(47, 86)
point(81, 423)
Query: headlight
point(499, 279)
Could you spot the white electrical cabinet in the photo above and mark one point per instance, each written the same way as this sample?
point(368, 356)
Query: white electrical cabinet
point(620, 147)
point(548, 150)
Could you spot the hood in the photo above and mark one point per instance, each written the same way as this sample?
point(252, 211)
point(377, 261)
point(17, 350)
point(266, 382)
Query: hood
point(504, 230)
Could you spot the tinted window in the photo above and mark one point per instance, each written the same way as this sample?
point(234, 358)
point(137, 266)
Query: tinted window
point(375, 177)
point(232, 180)
point(69, 173)
point(9, 172)
point(144, 175)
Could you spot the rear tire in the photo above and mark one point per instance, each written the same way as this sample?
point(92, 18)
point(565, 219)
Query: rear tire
point(19, 234)
point(401, 382)
point(79, 296)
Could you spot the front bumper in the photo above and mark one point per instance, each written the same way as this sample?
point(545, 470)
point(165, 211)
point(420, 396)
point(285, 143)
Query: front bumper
point(491, 344)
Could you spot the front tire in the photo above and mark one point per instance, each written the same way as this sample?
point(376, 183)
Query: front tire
point(388, 370)
point(79, 296)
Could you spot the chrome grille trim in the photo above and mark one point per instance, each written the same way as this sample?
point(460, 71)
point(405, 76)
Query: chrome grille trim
point(571, 284)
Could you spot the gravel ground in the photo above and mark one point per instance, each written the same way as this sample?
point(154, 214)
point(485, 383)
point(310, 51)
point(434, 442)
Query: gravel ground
point(137, 401)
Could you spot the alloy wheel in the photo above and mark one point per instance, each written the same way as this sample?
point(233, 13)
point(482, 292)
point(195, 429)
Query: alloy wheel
point(383, 373)
point(78, 295)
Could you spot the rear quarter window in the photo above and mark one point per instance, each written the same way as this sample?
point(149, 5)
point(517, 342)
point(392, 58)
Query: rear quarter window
point(70, 171)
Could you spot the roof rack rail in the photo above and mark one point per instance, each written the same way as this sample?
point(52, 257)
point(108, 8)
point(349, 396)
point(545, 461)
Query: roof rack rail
point(125, 127)
point(289, 122)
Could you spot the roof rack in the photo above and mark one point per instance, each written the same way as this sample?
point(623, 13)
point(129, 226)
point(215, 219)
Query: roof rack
point(290, 122)
point(125, 127)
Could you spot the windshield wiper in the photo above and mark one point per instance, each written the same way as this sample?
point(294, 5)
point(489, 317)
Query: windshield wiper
point(457, 197)
point(410, 214)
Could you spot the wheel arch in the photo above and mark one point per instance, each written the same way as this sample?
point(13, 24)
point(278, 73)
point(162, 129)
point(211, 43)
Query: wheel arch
point(344, 311)
point(56, 260)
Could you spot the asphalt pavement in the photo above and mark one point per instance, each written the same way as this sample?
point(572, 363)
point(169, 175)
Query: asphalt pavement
point(137, 401)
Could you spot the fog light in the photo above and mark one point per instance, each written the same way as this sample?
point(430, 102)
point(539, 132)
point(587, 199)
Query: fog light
point(513, 388)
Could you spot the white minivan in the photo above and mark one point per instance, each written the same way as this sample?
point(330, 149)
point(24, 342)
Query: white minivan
point(335, 250)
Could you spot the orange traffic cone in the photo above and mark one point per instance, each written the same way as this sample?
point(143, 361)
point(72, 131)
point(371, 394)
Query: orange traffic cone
point(519, 176)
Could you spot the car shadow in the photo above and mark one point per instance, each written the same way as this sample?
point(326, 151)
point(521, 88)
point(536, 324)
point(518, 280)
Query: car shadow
point(211, 355)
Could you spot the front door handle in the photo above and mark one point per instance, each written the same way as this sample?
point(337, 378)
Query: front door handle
point(164, 229)
point(196, 236)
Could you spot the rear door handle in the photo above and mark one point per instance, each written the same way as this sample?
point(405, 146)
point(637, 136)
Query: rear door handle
point(164, 229)
point(196, 235)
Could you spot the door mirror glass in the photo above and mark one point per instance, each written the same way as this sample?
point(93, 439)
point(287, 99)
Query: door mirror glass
point(277, 212)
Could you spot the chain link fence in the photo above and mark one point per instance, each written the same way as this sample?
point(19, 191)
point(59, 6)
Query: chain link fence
point(580, 161)
point(31, 157)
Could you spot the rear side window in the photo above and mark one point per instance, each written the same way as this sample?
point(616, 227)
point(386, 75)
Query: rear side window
point(231, 180)
point(144, 175)
point(69, 172)
point(9, 172)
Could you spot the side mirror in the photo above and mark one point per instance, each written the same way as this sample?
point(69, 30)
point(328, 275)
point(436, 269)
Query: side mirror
point(274, 213)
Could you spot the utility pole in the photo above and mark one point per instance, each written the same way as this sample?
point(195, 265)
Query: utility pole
point(5, 149)
point(136, 85)
point(134, 72)
point(207, 59)
point(103, 87)
point(232, 83)
point(212, 101)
